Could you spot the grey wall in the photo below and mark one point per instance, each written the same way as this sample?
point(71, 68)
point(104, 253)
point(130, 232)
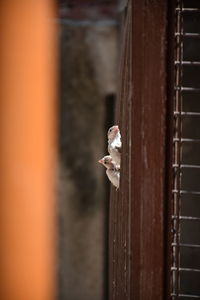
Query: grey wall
point(88, 68)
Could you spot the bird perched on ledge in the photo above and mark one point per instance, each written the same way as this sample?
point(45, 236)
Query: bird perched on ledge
point(114, 144)
point(112, 170)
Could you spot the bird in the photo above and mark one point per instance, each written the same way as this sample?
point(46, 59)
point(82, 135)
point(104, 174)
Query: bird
point(114, 144)
point(112, 170)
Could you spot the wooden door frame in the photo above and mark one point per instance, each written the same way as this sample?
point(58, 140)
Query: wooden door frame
point(138, 234)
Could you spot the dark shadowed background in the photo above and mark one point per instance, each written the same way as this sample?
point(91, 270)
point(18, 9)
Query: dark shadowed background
point(88, 84)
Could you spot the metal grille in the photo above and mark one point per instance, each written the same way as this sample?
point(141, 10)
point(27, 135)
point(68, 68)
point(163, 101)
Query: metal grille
point(185, 269)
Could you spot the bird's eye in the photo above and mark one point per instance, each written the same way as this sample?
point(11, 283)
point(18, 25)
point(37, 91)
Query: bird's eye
point(105, 162)
point(110, 130)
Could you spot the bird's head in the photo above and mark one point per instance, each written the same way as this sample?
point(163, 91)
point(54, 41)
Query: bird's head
point(106, 161)
point(112, 132)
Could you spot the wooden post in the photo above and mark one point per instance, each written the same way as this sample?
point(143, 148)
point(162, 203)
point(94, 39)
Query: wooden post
point(137, 211)
point(27, 133)
point(149, 153)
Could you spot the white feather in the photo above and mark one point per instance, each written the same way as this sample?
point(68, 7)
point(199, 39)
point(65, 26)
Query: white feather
point(114, 177)
point(113, 145)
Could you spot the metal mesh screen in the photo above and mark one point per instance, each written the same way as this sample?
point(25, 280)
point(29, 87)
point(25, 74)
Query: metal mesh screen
point(185, 269)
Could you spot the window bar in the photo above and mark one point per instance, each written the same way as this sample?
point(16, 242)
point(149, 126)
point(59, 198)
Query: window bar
point(185, 114)
point(186, 270)
point(188, 63)
point(187, 89)
point(186, 192)
point(186, 245)
point(186, 218)
point(187, 297)
point(177, 154)
point(185, 140)
point(188, 34)
point(187, 9)
point(184, 166)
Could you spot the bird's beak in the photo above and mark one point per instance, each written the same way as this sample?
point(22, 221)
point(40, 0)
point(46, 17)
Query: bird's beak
point(100, 161)
point(116, 128)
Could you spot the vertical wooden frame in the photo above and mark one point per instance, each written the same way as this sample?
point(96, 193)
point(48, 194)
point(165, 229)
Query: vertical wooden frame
point(148, 150)
point(169, 146)
point(119, 233)
point(138, 210)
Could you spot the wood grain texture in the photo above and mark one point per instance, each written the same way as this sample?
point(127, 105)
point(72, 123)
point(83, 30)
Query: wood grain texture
point(137, 211)
point(148, 151)
point(119, 267)
point(171, 46)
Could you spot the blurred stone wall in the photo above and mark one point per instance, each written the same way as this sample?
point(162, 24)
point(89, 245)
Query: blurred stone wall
point(88, 67)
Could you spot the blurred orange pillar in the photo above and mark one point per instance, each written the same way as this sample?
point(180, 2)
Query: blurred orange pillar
point(27, 162)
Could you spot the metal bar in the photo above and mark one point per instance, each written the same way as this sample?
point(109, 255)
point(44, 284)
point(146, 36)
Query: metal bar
point(183, 140)
point(187, 34)
point(187, 9)
point(186, 89)
point(189, 113)
point(187, 296)
point(183, 166)
point(175, 282)
point(188, 218)
point(184, 192)
point(185, 245)
point(174, 269)
point(27, 119)
point(187, 63)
